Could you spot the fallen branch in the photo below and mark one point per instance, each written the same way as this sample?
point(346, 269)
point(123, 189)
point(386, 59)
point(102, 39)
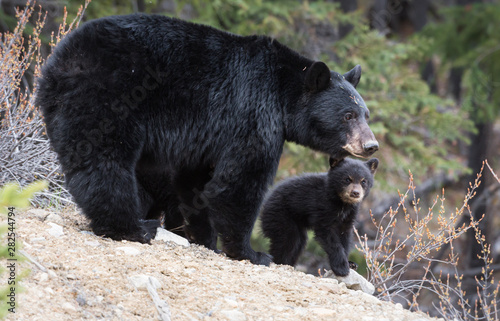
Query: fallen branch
point(161, 305)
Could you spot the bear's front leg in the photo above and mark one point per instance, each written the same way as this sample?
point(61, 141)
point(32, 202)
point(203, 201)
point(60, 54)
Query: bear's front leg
point(332, 245)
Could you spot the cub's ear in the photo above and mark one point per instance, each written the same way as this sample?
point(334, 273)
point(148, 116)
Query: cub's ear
point(317, 76)
point(353, 75)
point(372, 165)
point(334, 161)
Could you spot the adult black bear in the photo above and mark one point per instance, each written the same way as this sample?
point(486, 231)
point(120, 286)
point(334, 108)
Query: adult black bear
point(326, 203)
point(137, 103)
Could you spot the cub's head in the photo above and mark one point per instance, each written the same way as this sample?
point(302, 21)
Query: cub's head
point(351, 179)
point(331, 116)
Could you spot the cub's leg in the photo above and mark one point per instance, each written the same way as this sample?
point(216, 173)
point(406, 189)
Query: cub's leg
point(287, 238)
point(332, 244)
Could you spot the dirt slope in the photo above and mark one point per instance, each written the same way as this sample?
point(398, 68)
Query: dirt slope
point(76, 275)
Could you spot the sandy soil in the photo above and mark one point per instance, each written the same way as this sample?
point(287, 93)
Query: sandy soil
point(77, 275)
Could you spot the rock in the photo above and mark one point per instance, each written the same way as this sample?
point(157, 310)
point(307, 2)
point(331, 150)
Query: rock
point(68, 307)
point(166, 236)
point(92, 243)
point(41, 214)
point(234, 315)
point(300, 311)
point(43, 277)
point(323, 312)
point(128, 250)
point(56, 230)
point(80, 298)
point(353, 281)
point(37, 239)
point(140, 282)
point(55, 218)
point(231, 302)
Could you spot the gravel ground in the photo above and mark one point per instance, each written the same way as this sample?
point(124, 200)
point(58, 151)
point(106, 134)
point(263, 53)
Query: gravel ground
point(76, 275)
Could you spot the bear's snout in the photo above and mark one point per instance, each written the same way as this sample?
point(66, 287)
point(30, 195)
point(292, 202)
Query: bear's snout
point(370, 147)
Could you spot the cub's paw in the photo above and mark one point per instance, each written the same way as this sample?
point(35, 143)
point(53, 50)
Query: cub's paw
point(353, 266)
point(341, 270)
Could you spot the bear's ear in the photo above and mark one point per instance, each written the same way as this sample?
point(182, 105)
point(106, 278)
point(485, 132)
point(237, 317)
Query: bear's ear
point(372, 165)
point(317, 76)
point(334, 161)
point(353, 75)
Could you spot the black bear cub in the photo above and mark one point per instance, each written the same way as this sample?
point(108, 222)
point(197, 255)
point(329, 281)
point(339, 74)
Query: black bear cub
point(327, 203)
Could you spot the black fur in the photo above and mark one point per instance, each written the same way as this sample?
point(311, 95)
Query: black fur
point(326, 203)
point(153, 115)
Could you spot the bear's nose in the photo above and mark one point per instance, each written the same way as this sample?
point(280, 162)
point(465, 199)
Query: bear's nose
point(370, 147)
point(355, 194)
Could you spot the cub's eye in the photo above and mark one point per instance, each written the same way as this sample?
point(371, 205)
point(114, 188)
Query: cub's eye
point(348, 180)
point(363, 182)
point(349, 116)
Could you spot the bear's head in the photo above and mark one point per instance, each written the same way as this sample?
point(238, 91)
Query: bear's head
point(330, 115)
point(350, 179)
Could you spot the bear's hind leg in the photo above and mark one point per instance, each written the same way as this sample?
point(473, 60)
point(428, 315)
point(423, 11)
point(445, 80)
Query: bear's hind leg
point(193, 205)
point(199, 230)
point(108, 195)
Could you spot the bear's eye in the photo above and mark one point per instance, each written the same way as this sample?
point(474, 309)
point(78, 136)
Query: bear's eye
point(349, 116)
point(348, 180)
point(363, 182)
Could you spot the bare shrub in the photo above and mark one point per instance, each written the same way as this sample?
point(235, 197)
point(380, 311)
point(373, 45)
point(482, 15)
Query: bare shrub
point(401, 258)
point(25, 154)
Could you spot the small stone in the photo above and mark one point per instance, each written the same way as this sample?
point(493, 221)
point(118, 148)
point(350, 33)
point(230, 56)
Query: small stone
point(81, 299)
point(71, 277)
point(52, 274)
point(68, 307)
point(323, 312)
point(42, 214)
point(231, 302)
point(49, 290)
point(43, 277)
point(328, 288)
point(371, 300)
point(37, 239)
point(118, 311)
point(166, 236)
point(92, 243)
point(140, 282)
point(300, 311)
point(128, 250)
point(55, 218)
point(353, 281)
point(56, 230)
point(234, 315)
